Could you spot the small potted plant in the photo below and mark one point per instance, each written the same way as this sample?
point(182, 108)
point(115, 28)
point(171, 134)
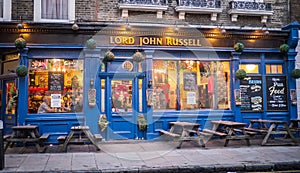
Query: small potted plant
point(20, 43)
point(102, 123)
point(138, 57)
point(239, 47)
point(108, 56)
point(142, 123)
point(284, 48)
point(21, 71)
point(91, 43)
point(296, 73)
point(240, 74)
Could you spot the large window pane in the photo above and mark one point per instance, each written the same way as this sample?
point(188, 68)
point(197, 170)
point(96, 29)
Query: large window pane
point(1, 8)
point(54, 9)
point(121, 95)
point(59, 80)
point(201, 84)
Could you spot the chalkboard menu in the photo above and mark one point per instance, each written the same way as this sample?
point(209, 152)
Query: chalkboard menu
point(251, 94)
point(190, 81)
point(55, 81)
point(276, 93)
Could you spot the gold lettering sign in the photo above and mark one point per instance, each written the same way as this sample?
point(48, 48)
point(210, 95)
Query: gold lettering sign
point(154, 41)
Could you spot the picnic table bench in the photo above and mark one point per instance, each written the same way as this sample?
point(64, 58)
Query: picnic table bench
point(26, 134)
point(184, 132)
point(270, 128)
point(229, 130)
point(80, 135)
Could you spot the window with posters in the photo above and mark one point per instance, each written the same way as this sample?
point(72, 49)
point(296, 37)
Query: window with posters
point(61, 80)
point(193, 84)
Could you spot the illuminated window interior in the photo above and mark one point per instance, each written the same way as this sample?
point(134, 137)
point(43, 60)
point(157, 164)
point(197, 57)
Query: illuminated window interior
point(274, 69)
point(250, 68)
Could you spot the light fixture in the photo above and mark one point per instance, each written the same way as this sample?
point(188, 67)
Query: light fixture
point(222, 29)
point(176, 30)
point(128, 27)
point(265, 29)
point(20, 25)
point(75, 27)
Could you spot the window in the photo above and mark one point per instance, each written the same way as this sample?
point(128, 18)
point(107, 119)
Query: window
point(197, 84)
point(5, 10)
point(250, 68)
point(273, 69)
point(54, 10)
point(60, 81)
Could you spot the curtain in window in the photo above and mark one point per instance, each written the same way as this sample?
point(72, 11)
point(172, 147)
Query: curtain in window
point(54, 9)
point(1, 8)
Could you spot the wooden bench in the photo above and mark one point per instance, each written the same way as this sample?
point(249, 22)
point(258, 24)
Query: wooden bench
point(62, 138)
point(251, 133)
point(256, 130)
point(174, 135)
point(6, 137)
point(212, 132)
point(98, 137)
point(44, 137)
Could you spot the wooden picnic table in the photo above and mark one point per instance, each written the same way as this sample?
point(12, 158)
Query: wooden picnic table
point(295, 125)
point(230, 130)
point(270, 128)
point(80, 134)
point(184, 132)
point(26, 134)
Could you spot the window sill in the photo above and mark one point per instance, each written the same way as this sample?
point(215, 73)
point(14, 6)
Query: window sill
point(134, 7)
point(235, 13)
point(196, 10)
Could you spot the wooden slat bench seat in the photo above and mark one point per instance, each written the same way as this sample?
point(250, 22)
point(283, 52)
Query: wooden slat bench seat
point(214, 132)
point(256, 130)
point(61, 139)
point(246, 131)
point(98, 137)
point(44, 137)
point(6, 137)
point(174, 135)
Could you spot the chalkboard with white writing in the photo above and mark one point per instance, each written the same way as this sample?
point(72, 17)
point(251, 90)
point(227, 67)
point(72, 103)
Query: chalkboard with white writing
point(276, 93)
point(251, 94)
point(55, 81)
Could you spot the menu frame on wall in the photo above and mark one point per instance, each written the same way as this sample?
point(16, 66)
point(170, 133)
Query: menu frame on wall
point(251, 90)
point(280, 101)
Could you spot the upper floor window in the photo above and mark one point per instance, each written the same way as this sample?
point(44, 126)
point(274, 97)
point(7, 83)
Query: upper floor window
point(5, 10)
point(54, 10)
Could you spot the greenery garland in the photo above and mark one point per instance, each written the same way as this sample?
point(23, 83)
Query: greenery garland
point(142, 123)
point(20, 43)
point(240, 74)
point(102, 123)
point(91, 43)
point(138, 57)
point(239, 47)
point(284, 48)
point(21, 71)
point(108, 56)
point(296, 73)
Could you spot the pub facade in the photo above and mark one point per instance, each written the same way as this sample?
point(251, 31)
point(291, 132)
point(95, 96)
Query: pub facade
point(111, 75)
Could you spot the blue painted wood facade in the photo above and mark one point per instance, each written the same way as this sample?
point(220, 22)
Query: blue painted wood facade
point(124, 125)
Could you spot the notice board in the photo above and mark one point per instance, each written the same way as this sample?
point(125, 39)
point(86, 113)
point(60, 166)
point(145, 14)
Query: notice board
point(276, 93)
point(251, 94)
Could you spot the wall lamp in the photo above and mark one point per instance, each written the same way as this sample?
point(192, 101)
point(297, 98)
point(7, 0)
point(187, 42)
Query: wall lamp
point(20, 25)
point(149, 83)
point(128, 27)
point(264, 28)
point(222, 28)
point(176, 30)
point(75, 26)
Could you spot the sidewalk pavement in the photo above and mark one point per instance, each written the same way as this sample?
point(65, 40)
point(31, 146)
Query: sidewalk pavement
point(156, 156)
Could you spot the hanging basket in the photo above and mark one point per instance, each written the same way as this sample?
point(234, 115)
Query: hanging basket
point(142, 123)
point(20, 43)
point(21, 71)
point(284, 48)
point(138, 57)
point(108, 56)
point(239, 47)
point(102, 123)
point(91, 43)
point(296, 73)
point(240, 74)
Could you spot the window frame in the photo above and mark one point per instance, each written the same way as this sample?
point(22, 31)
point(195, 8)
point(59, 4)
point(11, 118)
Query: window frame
point(6, 11)
point(38, 12)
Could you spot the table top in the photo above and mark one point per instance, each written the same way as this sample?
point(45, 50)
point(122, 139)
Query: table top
point(229, 123)
point(268, 121)
point(26, 127)
point(295, 120)
point(80, 128)
point(181, 123)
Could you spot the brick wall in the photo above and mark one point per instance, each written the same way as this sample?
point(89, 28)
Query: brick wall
point(107, 10)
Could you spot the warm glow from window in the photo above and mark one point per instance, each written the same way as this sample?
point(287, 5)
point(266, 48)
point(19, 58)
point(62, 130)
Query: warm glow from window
point(250, 68)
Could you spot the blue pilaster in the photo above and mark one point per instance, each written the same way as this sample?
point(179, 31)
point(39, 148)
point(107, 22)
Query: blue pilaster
point(23, 89)
point(91, 67)
point(149, 109)
point(235, 62)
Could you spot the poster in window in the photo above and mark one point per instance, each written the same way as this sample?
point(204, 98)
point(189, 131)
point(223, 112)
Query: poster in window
point(149, 95)
point(237, 96)
point(190, 81)
point(55, 100)
point(251, 94)
point(293, 96)
point(191, 98)
point(276, 93)
point(55, 81)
